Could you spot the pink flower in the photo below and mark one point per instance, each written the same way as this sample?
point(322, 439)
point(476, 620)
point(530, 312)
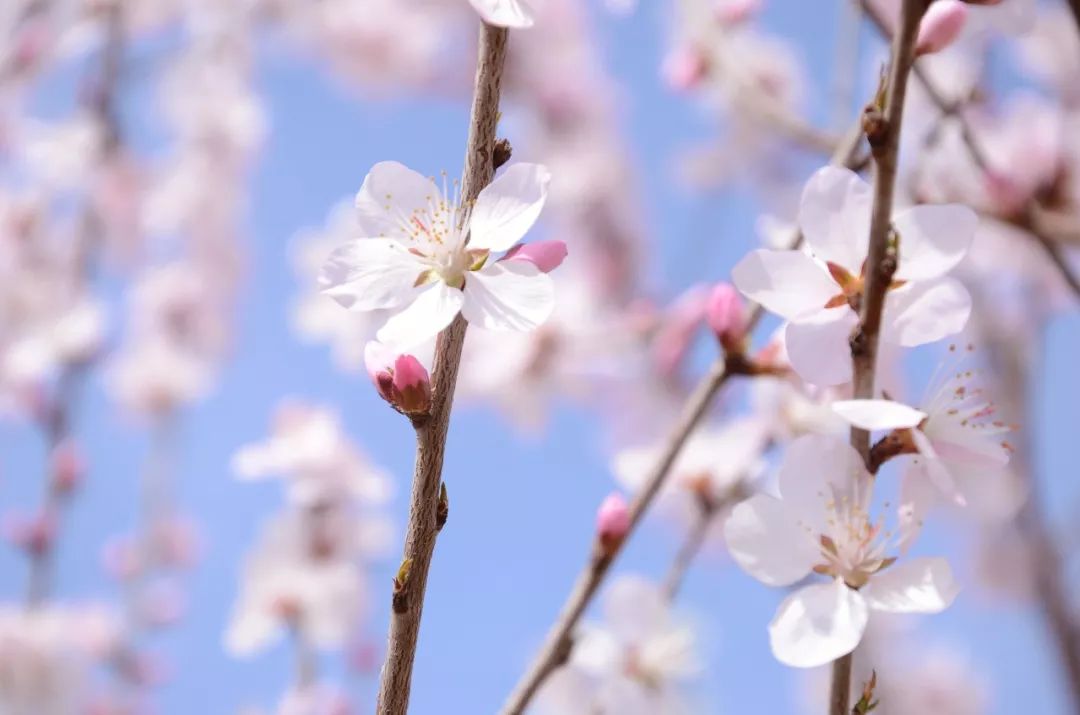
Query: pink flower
point(940, 26)
point(613, 520)
point(726, 316)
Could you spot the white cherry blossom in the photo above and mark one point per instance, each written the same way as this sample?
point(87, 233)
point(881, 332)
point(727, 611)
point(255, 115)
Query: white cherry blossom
point(957, 436)
point(425, 258)
point(505, 13)
point(819, 292)
point(822, 524)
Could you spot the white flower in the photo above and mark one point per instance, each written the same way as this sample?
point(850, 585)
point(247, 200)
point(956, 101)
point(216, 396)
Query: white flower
point(820, 293)
point(640, 655)
point(311, 449)
point(957, 437)
point(505, 13)
point(413, 259)
point(822, 524)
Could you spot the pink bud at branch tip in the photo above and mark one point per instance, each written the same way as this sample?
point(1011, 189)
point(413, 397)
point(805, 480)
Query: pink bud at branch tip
point(726, 315)
point(940, 26)
point(545, 255)
point(684, 68)
point(612, 521)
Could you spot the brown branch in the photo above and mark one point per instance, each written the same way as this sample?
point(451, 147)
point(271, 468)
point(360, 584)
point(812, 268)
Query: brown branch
point(1030, 219)
point(559, 641)
point(423, 525)
point(1074, 5)
point(882, 124)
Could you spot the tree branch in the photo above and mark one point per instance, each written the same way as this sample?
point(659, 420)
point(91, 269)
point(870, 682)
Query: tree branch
point(882, 125)
point(559, 641)
point(1030, 219)
point(422, 528)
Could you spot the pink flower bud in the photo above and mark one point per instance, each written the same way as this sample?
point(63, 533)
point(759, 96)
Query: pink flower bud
point(940, 26)
point(33, 534)
point(67, 467)
point(612, 520)
point(412, 386)
point(734, 12)
point(401, 380)
point(684, 68)
point(545, 255)
point(726, 316)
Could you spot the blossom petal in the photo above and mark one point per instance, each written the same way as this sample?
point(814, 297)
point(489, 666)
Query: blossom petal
point(511, 295)
point(933, 240)
point(390, 194)
point(922, 313)
point(818, 349)
point(370, 274)
point(789, 283)
point(504, 13)
point(818, 624)
point(915, 586)
point(508, 207)
point(817, 468)
point(834, 215)
point(878, 414)
point(432, 311)
point(766, 540)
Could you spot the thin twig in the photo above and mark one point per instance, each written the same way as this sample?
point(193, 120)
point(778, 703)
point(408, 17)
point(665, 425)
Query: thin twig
point(431, 434)
point(1030, 219)
point(1074, 5)
point(882, 124)
point(57, 422)
point(688, 551)
point(559, 641)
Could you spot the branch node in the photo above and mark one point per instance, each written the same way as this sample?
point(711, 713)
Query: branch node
point(501, 152)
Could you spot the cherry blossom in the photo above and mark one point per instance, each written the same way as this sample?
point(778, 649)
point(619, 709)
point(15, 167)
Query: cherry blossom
point(821, 523)
point(960, 441)
point(632, 663)
point(427, 258)
point(820, 292)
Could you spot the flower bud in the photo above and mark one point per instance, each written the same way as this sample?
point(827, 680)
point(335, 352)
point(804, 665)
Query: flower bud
point(67, 467)
point(545, 255)
point(725, 314)
point(401, 380)
point(612, 521)
point(684, 68)
point(940, 26)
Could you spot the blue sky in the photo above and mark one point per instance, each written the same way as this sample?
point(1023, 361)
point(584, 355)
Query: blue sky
point(523, 508)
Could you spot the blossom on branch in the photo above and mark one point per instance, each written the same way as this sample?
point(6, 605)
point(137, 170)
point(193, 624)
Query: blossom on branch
point(821, 292)
point(822, 524)
point(425, 257)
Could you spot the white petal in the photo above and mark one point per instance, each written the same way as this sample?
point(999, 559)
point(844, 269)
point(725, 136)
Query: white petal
point(834, 215)
point(766, 540)
point(816, 468)
point(818, 624)
point(392, 192)
point(933, 240)
point(429, 313)
point(508, 207)
point(504, 13)
point(878, 414)
point(819, 350)
point(921, 313)
point(370, 274)
point(788, 283)
point(508, 296)
point(994, 495)
point(634, 607)
point(915, 586)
